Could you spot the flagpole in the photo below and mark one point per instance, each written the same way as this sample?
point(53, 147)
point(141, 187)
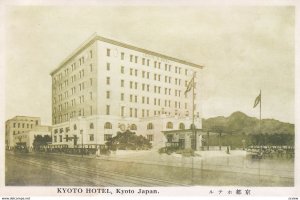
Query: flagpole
point(193, 130)
point(260, 112)
point(194, 111)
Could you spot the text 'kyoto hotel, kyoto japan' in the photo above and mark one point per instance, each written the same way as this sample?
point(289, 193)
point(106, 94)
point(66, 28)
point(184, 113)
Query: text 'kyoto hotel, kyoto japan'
point(105, 87)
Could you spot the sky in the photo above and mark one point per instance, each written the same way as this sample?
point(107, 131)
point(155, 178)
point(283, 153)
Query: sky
point(243, 50)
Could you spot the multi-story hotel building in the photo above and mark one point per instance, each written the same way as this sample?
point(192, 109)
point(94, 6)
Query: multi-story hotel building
point(106, 86)
point(19, 125)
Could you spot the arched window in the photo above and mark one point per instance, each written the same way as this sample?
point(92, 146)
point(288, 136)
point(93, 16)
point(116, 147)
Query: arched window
point(169, 125)
point(133, 127)
point(150, 126)
point(181, 126)
point(107, 125)
point(91, 126)
point(75, 127)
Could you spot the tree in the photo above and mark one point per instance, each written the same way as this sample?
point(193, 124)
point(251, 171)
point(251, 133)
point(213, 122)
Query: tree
point(128, 141)
point(40, 141)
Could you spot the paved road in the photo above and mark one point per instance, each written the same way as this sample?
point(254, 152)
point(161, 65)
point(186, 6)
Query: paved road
point(35, 169)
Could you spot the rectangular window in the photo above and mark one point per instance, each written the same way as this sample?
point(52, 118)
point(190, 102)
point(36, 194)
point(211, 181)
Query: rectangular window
point(131, 98)
point(107, 109)
point(91, 137)
point(131, 58)
point(107, 94)
point(131, 84)
point(135, 85)
point(135, 59)
point(122, 111)
point(122, 83)
point(122, 96)
point(107, 80)
point(107, 66)
point(107, 137)
point(148, 62)
point(143, 61)
point(150, 137)
point(60, 138)
point(130, 112)
point(143, 86)
point(91, 54)
point(131, 71)
point(122, 55)
point(135, 112)
point(136, 72)
point(143, 113)
point(107, 52)
point(122, 69)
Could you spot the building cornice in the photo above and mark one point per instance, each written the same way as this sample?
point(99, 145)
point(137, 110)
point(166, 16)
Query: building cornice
point(96, 37)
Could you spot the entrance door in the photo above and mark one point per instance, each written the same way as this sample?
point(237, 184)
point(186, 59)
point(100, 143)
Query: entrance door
point(181, 143)
point(193, 143)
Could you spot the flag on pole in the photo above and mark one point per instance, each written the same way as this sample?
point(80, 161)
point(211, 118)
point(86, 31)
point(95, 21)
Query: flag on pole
point(257, 100)
point(189, 86)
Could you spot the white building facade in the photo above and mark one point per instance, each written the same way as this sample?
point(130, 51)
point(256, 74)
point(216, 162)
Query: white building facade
point(19, 125)
point(27, 138)
point(107, 86)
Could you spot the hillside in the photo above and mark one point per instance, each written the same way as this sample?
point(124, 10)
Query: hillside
point(239, 122)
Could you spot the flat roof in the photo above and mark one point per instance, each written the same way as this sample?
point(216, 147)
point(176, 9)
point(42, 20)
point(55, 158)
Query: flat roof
point(96, 37)
point(20, 116)
point(182, 130)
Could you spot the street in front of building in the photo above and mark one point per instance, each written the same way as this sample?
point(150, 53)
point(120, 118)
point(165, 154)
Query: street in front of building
point(147, 168)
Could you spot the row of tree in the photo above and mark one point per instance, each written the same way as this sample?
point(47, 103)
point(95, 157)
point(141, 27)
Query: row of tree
point(243, 140)
point(122, 141)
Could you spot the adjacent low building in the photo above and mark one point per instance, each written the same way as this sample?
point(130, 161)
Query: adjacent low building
point(26, 138)
point(21, 130)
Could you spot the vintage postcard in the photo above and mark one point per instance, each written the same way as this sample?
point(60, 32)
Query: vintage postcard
point(149, 99)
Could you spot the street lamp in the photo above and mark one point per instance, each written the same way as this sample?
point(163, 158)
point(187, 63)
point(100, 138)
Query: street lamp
point(81, 133)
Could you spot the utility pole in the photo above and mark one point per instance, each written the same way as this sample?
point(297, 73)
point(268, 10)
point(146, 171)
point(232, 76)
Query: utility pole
point(81, 133)
point(194, 132)
point(207, 140)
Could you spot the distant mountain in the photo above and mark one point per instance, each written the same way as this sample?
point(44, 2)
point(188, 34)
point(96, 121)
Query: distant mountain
point(239, 122)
